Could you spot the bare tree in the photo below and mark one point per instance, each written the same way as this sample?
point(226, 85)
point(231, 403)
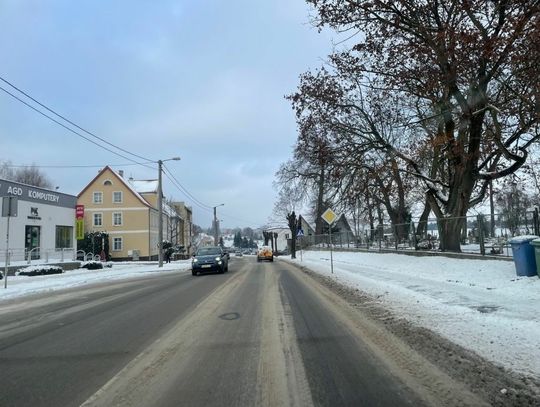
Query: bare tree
point(30, 175)
point(468, 70)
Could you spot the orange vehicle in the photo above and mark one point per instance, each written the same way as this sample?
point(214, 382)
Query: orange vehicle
point(265, 253)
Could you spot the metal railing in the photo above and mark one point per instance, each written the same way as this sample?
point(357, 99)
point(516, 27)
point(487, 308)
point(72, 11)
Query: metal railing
point(38, 255)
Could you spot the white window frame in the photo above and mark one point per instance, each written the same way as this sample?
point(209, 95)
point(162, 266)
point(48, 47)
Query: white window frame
point(94, 218)
point(121, 219)
point(121, 197)
point(117, 239)
point(97, 193)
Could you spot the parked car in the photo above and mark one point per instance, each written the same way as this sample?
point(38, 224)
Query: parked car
point(209, 258)
point(265, 253)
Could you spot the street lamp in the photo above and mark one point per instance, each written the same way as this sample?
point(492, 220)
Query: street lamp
point(160, 209)
point(216, 224)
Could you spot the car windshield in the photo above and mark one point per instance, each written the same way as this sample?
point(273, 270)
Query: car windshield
point(208, 251)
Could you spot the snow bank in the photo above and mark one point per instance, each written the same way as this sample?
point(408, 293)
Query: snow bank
point(19, 286)
point(479, 304)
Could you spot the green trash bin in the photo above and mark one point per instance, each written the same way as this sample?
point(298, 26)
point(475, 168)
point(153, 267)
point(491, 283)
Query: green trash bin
point(536, 245)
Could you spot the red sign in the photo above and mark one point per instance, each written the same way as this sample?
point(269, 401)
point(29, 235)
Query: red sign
point(79, 211)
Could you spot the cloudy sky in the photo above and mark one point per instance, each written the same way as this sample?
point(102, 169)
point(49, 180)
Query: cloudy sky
point(199, 79)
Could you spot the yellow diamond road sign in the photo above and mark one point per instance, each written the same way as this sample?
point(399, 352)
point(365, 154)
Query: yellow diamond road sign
point(329, 216)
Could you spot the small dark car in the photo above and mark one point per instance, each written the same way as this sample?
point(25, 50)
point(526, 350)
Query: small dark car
point(210, 258)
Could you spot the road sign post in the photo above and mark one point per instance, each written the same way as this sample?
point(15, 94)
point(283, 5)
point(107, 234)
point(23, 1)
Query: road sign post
point(329, 217)
point(299, 237)
point(9, 209)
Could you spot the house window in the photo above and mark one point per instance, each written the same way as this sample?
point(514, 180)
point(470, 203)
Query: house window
point(98, 197)
point(287, 236)
point(117, 218)
point(107, 182)
point(64, 237)
point(98, 219)
point(117, 197)
point(117, 244)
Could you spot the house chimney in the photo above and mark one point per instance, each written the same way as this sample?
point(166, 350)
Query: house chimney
point(121, 172)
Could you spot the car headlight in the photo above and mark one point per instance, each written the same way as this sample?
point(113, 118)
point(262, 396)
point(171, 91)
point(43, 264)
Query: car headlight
point(219, 262)
point(218, 258)
point(195, 260)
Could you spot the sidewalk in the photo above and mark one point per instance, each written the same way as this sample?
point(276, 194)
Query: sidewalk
point(19, 286)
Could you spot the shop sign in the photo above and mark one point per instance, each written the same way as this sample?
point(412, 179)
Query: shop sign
point(79, 229)
point(79, 211)
point(35, 194)
point(34, 214)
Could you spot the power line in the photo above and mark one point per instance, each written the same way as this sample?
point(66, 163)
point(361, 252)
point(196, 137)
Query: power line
point(202, 206)
point(183, 188)
point(73, 131)
point(199, 203)
point(70, 166)
point(71, 122)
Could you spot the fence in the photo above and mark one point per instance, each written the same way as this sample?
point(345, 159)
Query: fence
point(478, 234)
point(25, 256)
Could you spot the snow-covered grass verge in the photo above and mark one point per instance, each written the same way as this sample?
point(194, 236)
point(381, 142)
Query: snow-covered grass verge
point(479, 304)
point(19, 286)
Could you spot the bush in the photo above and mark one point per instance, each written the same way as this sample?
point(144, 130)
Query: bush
point(40, 271)
point(92, 265)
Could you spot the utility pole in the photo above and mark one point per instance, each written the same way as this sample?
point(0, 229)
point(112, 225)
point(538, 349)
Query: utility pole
point(216, 224)
point(160, 216)
point(160, 210)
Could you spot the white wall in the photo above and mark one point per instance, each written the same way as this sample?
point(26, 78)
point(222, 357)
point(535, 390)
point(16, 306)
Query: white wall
point(51, 216)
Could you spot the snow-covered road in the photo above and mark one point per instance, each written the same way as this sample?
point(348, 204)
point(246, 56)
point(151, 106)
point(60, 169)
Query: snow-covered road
point(479, 304)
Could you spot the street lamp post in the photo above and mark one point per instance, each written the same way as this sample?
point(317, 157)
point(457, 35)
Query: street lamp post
point(160, 210)
point(216, 224)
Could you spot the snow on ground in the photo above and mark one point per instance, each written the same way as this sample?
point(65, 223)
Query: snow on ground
point(479, 304)
point(19, 286)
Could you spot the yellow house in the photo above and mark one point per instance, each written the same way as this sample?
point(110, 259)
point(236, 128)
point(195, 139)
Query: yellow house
point(126, 210)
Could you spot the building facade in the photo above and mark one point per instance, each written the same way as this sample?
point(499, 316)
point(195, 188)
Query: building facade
point(127, 211)
point(184, 236)
point(44, 227)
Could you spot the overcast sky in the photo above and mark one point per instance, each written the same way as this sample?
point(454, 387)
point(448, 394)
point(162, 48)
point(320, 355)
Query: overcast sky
point(202, 79)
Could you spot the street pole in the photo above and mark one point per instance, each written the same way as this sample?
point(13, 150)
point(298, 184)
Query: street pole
point(160, 209)
point(331, 252)
point(7, 255)
point(160, 217)
point(215, 227)
point(216, 224)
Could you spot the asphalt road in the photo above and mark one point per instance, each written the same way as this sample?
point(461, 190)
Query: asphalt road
point(262, 334)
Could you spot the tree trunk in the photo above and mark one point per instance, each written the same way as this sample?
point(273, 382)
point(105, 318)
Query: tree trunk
point(450, 234)
point(320, 201)
point(293, 227)
point(421, 229)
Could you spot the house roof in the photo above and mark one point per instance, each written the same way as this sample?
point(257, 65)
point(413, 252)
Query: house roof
point(144, 186)
point(119, 178)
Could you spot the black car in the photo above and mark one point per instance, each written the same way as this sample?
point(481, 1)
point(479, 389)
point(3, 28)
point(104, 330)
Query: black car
point(209, 259)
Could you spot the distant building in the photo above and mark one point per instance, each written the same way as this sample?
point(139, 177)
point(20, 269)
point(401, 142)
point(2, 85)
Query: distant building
point(341, 230)
point(127, 210)
point(305, 226)
point(183, 236)
point(283, 234)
